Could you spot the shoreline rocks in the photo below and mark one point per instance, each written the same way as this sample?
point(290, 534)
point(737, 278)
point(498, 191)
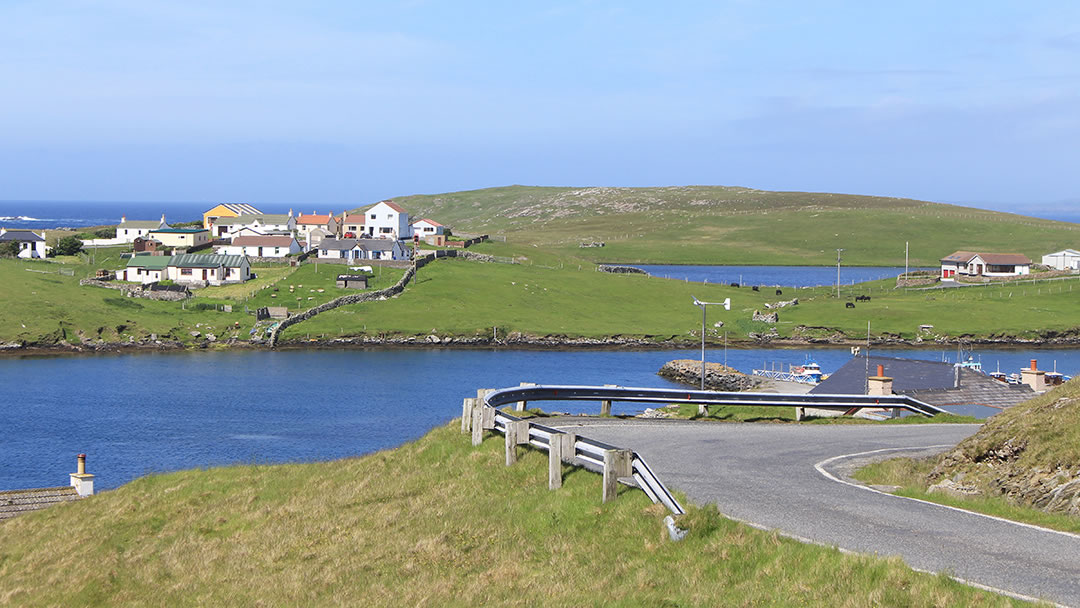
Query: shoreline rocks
point(717, 377)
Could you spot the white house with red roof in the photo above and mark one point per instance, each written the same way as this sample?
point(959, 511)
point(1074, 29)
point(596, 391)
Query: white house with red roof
point(975, 264)
point(263, 246)
point(427, 227)
point(387, 220)
point(305, 223)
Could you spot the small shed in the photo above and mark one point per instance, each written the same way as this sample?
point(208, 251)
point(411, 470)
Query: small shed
point(352, 281)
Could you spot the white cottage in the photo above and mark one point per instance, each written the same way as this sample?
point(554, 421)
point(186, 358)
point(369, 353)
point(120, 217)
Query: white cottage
point(1067, 259)
point(263, 246)
point(209, 269)
point(128, 231)
point(264, 223)
point(387, 220)
point(426, 227)
point(31, 244)
point(363, 249)
point(973, 264)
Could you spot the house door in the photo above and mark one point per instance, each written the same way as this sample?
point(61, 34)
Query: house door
point(978, 269)
point(260, 252)
point(125, 275)
point(204, 274)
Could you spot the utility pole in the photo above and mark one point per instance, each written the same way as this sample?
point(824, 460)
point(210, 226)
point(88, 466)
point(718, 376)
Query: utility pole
point(838, 273)
point(906, 247)
point(703, 305)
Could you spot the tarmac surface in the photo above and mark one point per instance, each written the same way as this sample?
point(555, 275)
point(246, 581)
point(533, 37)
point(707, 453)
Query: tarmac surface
point(794, 479)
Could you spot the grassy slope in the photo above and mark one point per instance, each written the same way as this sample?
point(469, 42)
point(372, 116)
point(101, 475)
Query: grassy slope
point(725, 225)
point(466, 298)
point(1037, 441)
point(435, 522)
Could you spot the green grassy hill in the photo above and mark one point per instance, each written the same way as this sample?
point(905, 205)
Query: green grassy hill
point(433, 523)
point(731, 225)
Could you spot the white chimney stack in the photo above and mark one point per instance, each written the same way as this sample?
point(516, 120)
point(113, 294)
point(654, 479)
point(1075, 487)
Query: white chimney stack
point(82, 481)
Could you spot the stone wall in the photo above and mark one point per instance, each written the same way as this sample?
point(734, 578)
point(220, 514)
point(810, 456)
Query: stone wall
point(619, 269)
point(717, 376)
point(149, 291)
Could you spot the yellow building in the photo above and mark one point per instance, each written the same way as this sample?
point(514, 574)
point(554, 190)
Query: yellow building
point(227, 210)
point(181, 237)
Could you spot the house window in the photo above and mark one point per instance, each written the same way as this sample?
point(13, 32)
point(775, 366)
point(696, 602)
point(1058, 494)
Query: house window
point(386, 230)
point(372, 216)
point(277, 249)
point(389, 216)
point(185, 272)
point(125, 231)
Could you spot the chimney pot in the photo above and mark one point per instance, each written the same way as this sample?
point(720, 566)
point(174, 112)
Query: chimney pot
point(880, 370)
point(1033, 365)
point(82, 464)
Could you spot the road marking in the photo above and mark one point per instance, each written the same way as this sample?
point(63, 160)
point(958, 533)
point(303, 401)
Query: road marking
point(821, 469)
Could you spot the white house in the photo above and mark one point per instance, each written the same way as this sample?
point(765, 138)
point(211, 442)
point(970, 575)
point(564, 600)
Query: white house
point(127, 232)
point(973, 263)
point(144, 268)
point(426, 227)
point(305, 224)
point(363, 249)
point(263, 223)
point(31, 244)
point(263, 246)
point(387, 220)
point(208, 269)
point(1068, 259)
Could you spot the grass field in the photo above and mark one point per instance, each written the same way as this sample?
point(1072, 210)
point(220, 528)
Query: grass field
point(434, 522)
point(730, 225)
point(455, 297)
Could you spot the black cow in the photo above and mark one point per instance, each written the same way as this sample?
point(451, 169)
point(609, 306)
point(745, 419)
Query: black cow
point(849, 305)
point(862, 298)
point(779, 292)
point(734, 284)
point(755, 288)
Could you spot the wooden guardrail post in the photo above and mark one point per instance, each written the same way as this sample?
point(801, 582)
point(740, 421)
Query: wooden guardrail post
point(605, 408)
point(560, 448)
point(517, 432)
point(616, 465)
point(521, 405)
point(477, 425)
point(466, 414)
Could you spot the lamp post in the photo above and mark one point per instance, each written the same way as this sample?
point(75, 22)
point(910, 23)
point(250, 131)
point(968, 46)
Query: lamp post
point(703, 305)
point(838, 273)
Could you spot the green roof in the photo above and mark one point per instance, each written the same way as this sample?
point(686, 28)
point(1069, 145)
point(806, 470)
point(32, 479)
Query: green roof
point(149, 262)
point(209, 260)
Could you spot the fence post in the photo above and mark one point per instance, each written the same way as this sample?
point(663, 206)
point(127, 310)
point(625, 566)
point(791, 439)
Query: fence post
point(521, 405)
point(605, 408)
point(616, 465)
point(466, 414)
point(477, 425)
point(517, 432)
point(560, 448)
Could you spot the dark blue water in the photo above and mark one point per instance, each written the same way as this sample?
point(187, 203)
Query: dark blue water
point(784, 276)
point(55, 214)
point(137, 414)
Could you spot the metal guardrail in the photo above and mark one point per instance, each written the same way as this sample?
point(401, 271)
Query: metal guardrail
point(480, 415)
point(552, 392)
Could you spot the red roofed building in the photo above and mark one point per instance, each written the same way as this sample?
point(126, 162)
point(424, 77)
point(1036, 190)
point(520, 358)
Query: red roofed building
point(975, 264)
point(426, 227)
point(306, 223)
point(352, 225)
point(387, 220)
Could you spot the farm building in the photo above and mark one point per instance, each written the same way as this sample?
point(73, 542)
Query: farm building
point(352, 281)
point(974, 264)
point(209, 269)
point(1067, 259)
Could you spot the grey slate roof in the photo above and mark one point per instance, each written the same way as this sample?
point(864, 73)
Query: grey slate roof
point(933, 382)
point(20, 235)
point(338, 244)
point(376, 244)
point(15, 502)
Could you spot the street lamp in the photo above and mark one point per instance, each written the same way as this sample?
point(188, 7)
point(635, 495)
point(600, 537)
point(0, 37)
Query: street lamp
point(727, 306)
point(838, 273)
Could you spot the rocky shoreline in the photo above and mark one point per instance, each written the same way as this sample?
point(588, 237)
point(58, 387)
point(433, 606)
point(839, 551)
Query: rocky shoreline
point(718, 377)
point(519, 340)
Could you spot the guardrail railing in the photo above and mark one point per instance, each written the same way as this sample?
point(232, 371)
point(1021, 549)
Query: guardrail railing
point(616, 465)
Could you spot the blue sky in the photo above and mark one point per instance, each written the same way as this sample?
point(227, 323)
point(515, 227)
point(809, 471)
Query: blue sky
point(351, 102)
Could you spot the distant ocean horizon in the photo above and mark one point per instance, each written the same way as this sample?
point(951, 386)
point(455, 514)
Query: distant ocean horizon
point(80, 214)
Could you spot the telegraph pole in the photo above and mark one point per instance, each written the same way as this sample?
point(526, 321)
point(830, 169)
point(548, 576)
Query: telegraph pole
point(838, 272)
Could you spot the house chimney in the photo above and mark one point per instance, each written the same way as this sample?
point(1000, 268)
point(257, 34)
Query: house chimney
point(879, 385)
point(82, 481)
point(1034, 377)
point(162, 218)
point(123, 219)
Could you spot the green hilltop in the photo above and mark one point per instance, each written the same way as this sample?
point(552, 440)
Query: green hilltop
point(735, 225)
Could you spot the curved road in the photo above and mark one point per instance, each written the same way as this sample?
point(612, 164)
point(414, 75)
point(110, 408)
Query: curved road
point(789, 478)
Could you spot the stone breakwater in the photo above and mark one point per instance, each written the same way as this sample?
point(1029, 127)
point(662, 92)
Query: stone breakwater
point(717, 377)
